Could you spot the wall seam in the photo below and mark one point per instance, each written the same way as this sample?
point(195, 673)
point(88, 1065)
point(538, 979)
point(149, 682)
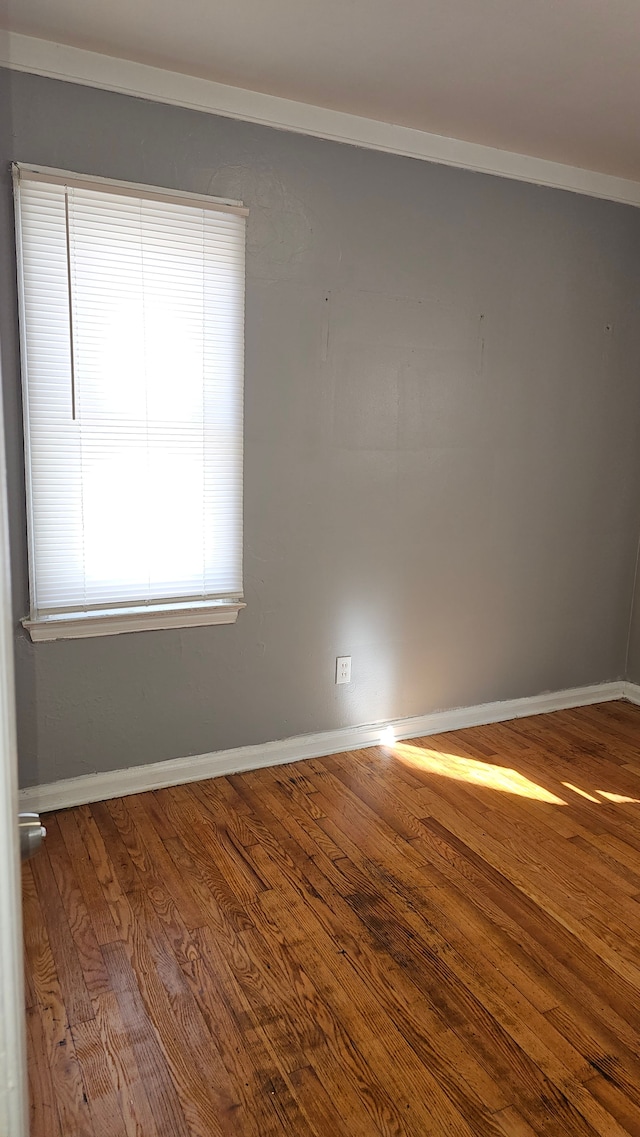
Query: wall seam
point(631, 611)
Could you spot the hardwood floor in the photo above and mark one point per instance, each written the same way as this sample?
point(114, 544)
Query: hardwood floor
point(442, 938)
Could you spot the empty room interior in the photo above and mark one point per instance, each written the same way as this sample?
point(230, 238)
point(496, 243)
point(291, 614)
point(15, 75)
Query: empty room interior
point(320, 351)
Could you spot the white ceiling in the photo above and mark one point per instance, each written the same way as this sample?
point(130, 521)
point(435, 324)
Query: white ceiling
point(557, 79)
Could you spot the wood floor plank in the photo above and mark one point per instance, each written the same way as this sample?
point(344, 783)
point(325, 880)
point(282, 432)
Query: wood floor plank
point(226, 854)
point(206, 1094)
point(485, 932)
point(625, 935)
point(100, 915)
point(119, 854)
point(533, 879)
point(463, 902)
point(616, 1104)
point(618, 1065)
point(540, 927)
point(230, 851)
point(593, 879)
point(507, 1031)
point(286, 1026)
point(383, 1047)
point(316, 1102)
point(250, 1068)
point(461, 1075)
point(609, 1124)
point(44, 1120)
point(58, 1051)
point(113, 1082)
point(105, 872)
point(148, 1052)
point(412, 1014)
point(268, 979)
point(244, 980)
point(54, 1075)
point(155, 873)
point(378, 1076)
point(73, 988)
point(435, 939)
point(324, 895)
point(512, 1124)
point(542, 948)
point(144, 811)
point(297, 1032)
point(94, 1057)
point(80, 925)
point(39, 961)
point(29, 899)
point(295, 875)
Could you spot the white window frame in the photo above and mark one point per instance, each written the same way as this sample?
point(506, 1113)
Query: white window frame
point(131, 618)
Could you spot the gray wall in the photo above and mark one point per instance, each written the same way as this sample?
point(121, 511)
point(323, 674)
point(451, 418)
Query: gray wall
point(442, 460)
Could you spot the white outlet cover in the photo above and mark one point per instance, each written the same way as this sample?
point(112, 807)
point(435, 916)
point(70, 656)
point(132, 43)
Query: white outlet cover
point(343, 669)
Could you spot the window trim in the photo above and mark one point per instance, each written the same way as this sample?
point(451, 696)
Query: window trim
point(145, 617)
point(54, 176)
point(86, 625)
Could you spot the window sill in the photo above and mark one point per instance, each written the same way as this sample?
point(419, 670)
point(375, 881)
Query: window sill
point(83, 625)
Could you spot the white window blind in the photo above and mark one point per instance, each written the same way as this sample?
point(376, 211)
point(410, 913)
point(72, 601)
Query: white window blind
point(132, 310)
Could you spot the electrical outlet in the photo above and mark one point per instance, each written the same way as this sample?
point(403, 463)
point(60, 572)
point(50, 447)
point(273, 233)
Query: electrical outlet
point(343, 669)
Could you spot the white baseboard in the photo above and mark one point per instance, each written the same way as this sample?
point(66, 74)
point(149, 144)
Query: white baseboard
point(176, 771)
point(631, 692)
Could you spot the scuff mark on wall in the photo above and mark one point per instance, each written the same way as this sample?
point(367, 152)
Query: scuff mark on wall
point(481, 342)
point(326, 326)
point(281, 225)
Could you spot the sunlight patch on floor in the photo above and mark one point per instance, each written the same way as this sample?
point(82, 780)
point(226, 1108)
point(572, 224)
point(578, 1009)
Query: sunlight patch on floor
point(582, 793)
point(618, 799)
point(477, 773)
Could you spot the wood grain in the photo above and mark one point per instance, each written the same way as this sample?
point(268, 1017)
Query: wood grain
point(442, 938)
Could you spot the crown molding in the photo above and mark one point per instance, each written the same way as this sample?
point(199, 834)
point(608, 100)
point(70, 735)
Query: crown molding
point(92, 69)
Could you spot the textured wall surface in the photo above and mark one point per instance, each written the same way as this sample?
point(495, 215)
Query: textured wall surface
point(442, 463)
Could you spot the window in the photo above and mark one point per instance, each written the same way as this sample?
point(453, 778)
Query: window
point(132, 323)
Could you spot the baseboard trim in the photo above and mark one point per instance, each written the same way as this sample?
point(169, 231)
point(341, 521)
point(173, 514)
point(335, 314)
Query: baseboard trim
point(127, 77)
point(177, 771)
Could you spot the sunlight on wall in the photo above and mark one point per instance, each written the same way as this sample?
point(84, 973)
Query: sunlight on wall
point(362, 631)
point(477, 773)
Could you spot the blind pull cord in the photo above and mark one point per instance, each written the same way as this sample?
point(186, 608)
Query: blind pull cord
point(71, 343)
